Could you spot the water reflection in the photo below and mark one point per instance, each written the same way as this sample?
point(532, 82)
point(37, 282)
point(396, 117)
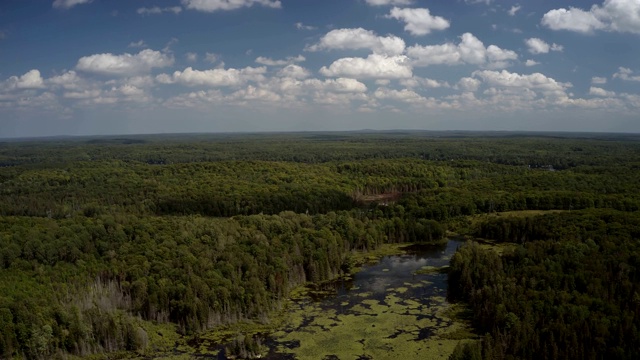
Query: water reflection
point(394, 275)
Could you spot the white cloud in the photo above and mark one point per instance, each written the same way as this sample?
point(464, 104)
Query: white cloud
point(158, 10)
point(254, 94)
point(294, 71)
point(67, 4)
point(468, 84)
point(505, 80)
point(388, 2)
point(30, 80)
point(292, 88)
point(286, 91)
point(539, 46)
point(572, 19)
point(499, 58)
point(359, 38)
point(418, 21)
point(421, 82)
point(612, 15)
point(626, 74)
point(222, 5)
point(514, 9)
point(68, 81)
point(596, 91)
point(404, 95)
point(125, 64)
point(598, 80)
point(530, 62)
point(289, 60)
point(301, 26)
point(138, 44)
point(470, 50)
point(375, 66)
point(340, 85)
point(213, 77)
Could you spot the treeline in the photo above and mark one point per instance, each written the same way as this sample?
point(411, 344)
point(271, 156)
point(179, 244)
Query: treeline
point(571, 290)
point(425, 189)
point(560, 151)
point(77, 285)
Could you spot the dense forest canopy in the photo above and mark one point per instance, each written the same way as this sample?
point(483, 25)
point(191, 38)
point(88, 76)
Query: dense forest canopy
point(101, 237)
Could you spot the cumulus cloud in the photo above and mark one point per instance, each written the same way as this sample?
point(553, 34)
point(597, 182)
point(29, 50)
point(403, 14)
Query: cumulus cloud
point(468, 84)
point(530, 62)
point(388, 2)
point(403, 95)
point(341, 85)
point(213, 77)
point(420, 82)
point(286, 91)
point(125, 64)
point(612, 15)
point(222, 5)
point(294, 71)
point(470, 50)
point(292, 88)
point(254, 94)
point(596, 91)
point(67, 4)
point(531, 83)
point(572, 19)
point(598, 80)
point(375, 66)
point(289, 60)
point(626, 74)
point(30, 80)
point(70, 80)
point(158, 10)
point(539, 46)
point(418, 21)
point(359, 38)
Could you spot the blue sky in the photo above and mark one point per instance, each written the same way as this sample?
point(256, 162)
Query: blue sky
point(82, 67)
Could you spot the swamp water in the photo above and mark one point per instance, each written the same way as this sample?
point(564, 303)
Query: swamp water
point(394, 309)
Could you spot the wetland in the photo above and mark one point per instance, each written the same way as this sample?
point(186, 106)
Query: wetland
point(390, 309)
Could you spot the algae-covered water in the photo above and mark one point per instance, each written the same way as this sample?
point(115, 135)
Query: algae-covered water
point(391, 310)
point(394, 309)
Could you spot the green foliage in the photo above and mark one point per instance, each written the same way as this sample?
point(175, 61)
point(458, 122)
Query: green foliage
point(570, 291)
point(103, 239)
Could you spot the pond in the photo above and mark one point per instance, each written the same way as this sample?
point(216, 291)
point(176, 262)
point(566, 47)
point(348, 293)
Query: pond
point(394, 309)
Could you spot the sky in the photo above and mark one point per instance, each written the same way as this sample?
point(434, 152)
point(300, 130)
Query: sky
point(98, 67)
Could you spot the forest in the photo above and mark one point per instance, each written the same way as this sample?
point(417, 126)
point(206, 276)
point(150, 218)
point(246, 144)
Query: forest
point(102, 239)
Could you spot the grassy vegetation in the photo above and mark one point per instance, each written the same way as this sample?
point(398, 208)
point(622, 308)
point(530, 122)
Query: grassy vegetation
point(380, 329)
